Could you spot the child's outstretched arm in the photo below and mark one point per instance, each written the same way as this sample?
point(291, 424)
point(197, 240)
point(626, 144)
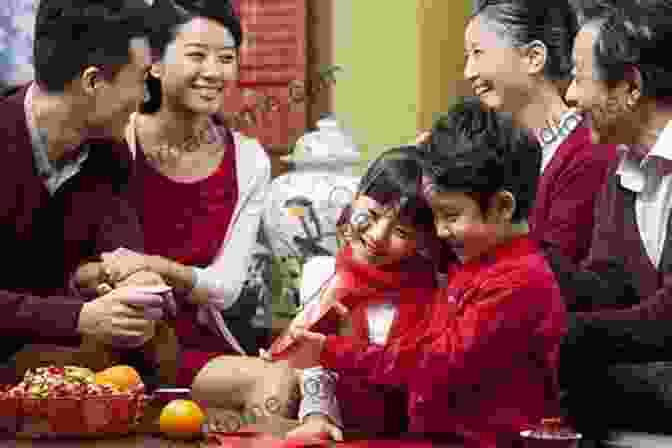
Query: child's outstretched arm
point(505, 320)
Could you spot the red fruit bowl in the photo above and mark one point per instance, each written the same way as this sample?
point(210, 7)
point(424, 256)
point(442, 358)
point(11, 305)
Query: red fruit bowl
point(71, 417)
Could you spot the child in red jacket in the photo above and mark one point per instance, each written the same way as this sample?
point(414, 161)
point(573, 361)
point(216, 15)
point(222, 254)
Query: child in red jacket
point(381, 275)
point(483, 364)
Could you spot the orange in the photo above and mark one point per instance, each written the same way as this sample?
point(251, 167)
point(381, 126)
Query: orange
point(182, 419)
point(122, 377)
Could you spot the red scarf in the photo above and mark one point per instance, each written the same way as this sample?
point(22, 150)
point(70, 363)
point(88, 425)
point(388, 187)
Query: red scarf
point(408, 285)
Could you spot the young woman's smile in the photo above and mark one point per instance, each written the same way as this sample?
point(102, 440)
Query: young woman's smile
point(198, 65)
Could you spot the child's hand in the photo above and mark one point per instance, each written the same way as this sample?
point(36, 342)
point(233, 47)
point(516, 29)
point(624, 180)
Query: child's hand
point(345, 323)
point(306, 350)
point(316, 426)
point(305, 347)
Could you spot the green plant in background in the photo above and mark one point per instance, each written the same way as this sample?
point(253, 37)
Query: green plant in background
point(285, 285)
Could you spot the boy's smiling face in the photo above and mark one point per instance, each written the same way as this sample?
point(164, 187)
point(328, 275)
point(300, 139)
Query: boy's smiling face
point(470, 231)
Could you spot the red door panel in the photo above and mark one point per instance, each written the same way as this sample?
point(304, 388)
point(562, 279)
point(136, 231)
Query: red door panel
point(273, 55)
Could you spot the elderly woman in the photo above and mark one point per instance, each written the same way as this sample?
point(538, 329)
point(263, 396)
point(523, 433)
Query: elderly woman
point(518, 60)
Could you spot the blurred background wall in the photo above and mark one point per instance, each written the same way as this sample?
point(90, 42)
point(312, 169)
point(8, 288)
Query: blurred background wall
point(402, 62)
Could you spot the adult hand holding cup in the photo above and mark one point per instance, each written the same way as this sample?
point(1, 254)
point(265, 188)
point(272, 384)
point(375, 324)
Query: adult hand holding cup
point(124, 317)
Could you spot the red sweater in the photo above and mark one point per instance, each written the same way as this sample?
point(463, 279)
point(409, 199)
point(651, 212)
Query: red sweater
point(486, 368)
point(46, 237)
point(562, 217)
point(189, 229)
point(617, 281)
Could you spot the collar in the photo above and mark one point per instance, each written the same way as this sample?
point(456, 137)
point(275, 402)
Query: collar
point(45, 168)
point(642, 173)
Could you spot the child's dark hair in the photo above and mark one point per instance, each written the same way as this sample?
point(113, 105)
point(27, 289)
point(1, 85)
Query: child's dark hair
point(480, 152)
point(394, 179)
point(71, 35)
point(178, 13)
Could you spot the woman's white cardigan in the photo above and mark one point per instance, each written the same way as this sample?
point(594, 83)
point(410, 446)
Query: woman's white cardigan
point(224, 278)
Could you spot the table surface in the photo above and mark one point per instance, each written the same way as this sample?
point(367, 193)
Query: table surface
point(148, 441)
point(265, 434)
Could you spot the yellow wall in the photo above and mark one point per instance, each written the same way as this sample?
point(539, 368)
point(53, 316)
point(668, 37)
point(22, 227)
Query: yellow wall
point(375, 95)
point(402, 64)
point(441, 25)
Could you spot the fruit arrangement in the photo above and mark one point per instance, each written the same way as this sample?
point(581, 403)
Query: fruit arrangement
point(73, 401)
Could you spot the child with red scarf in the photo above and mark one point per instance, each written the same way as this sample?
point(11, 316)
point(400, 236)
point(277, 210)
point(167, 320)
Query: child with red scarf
point(383, 274)
point(382, 277)
point(482, 366)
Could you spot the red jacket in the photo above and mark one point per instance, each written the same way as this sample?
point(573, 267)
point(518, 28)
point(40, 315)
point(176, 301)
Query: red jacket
point(485, 366)
point(378, 409)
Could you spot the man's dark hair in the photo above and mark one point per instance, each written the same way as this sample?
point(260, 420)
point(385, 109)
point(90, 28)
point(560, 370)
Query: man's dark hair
point(71, 35)
point(523, 21)
point(178, 13)
point(479, 151)
point(635, 35)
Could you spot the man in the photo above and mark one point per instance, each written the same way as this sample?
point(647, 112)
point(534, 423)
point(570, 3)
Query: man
point(63, 180)
point(614, 360)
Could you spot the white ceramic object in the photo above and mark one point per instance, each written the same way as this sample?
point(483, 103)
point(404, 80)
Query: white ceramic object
point(302, 209)
point(330, 147)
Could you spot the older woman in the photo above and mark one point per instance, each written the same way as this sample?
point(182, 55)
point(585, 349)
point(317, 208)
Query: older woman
point(518, 60)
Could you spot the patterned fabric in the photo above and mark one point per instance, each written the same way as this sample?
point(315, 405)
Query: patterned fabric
point(299, 221)
point(302, 210)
